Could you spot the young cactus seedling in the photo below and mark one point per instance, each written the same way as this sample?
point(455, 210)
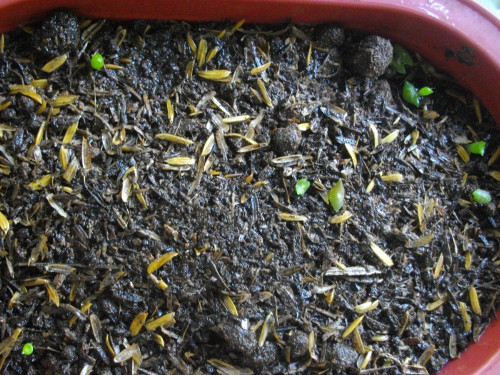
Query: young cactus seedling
point(413, 95)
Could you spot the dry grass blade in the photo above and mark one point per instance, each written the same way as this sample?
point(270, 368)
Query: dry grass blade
point(291, 217)
point(341, 218)
point(4, 223)
point(173, 138)
point(381, 254)
point(137, 323)
point(352, 326)
point(55, 63)
point(159, 262)
point(229, 305)
point(166, 321)
point(214, 75)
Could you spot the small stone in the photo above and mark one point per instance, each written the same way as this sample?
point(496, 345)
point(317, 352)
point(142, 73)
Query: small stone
point(286, 140)
point(371, 56)
point(298, 343)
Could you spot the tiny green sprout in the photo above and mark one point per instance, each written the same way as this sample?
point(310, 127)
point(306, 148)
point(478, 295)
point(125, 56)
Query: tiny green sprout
point(481, 196)
point(301, 186)
point(413, 95)
point(27, 348)
point(477, 148)
point(97, 61)
point(336, 195)
point(425, 91)
point(400, 59)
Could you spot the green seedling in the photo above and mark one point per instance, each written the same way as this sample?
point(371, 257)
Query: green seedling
point(413, 95)
point(401, 58)
point(301, 186)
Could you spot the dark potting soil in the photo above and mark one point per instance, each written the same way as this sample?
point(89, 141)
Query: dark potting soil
point(150, 221)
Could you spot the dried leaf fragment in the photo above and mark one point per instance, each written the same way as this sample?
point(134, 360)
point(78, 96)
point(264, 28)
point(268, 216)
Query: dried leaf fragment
point(137, 323)
point(55, 63)
point(166, 320)
point(381, 254)
point(159, 262)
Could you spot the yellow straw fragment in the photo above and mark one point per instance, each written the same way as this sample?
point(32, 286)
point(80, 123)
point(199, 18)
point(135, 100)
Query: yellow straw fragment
point(159, 262)
point(352, 326)
point(55, 63)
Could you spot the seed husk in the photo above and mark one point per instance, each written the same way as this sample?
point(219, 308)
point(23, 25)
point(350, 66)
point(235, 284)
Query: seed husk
point(201, 52)
point(180, 161)
point(214, 75)
point(230, 306)
point(465, 317)
point(291, 217)
point(352, 154)
point(52, 293)
point(159, 262)
point(341, 218)
point(96, 325)
point(366, 306)
point(55, 63)
point(390, 137)
point(236, 119)
point(170, 110)
point(173, 138)
point(474, 301)
point(495, 175)
point(381, 254)
point(263, 92)
point(463, 153)
point(264, 330)
point(71, 170)
point(494, 157)
point(259, 69)
point(56, 206)
point(352, 326)
point(211, 54)
point(137, 323)
point(392, 177)
point(421, 241)
point(63, 100)
point(4, 223)
point(437, 303)
point(426, 355)
point(127, 353)
point(251, 147)
point(42, 182)
point(166, 321)
point(70, 132)
point(438, 267)
point(209, 145)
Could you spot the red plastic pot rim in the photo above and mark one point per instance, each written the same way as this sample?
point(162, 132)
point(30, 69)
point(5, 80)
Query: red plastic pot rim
point(458, 36)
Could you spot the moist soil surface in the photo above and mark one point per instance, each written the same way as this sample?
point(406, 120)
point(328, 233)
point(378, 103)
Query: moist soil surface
point(163, 185)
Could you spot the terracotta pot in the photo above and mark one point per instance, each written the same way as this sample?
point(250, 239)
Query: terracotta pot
point(457, 36)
